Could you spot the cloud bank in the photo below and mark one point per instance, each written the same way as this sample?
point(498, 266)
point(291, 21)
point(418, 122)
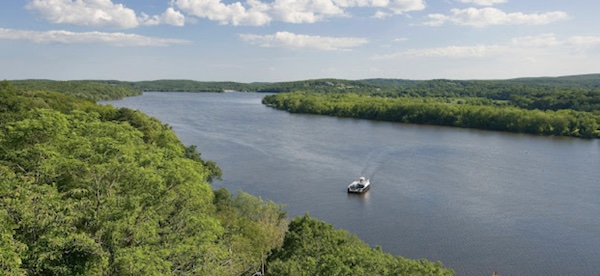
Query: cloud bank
point(541, 45)
point(291, 40)
point(484, 17)
point(105, 13)
point(66, 37)
point(483, 2)
point(258, 13)
point(99, 13)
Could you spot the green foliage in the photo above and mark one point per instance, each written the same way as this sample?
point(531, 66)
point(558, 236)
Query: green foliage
point(253, 228)
point(111, 192)
point(191, 152)
point(312, 247)
point(586, 80)
point(183, 86)
point(467, 112)
point(98, 190)
point(93, 190)
point(92, 90)
point(11, 249)
point(321, 85)
point(580, 93)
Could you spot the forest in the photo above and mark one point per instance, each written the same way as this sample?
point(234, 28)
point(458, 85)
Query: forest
point(89, 189)
point(479, 113)
point(92, 90)
point(560, 106)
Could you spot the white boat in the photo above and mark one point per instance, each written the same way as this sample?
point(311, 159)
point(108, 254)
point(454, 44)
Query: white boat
point(359, 186)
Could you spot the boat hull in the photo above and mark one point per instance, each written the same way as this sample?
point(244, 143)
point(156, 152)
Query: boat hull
point(359, 186)
point(358, 191)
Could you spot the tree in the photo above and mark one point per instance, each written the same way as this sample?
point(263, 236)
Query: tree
point(312, 247)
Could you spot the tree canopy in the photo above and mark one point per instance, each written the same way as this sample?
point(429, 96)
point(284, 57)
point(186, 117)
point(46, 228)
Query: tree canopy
point(475, 112)
point(313, 247)
point(87, 189)
point(93, 90)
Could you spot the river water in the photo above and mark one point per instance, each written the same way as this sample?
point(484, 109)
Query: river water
point(478, 201)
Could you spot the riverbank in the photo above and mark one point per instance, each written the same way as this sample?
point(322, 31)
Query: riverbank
point(456, 112)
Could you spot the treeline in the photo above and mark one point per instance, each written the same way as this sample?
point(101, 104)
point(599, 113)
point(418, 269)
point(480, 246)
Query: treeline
point(312, 247)
point(80, 89)
point(180, 86)
point(580, 92)
point(585, 80)
point(320, 85)
point(485, 114)
point(114, 89)
point(87, 189)
point(543, 96)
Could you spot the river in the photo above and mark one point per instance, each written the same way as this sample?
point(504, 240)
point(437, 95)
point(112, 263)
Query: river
point(478, 201)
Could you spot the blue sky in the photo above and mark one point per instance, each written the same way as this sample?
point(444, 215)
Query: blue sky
point(284, 40)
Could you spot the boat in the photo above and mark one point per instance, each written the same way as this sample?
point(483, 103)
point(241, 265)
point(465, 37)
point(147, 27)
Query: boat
point(359, 186)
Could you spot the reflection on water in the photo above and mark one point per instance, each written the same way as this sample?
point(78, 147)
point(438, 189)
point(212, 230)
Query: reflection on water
point(362, 198)
point(479, 201)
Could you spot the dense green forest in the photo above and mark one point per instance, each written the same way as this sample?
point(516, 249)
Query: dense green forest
point(113, 89)
point(535, 95)
point(81, 89)
point(312, 247)
point(87, 189)
point(320, 85)
point(565, 106)
point(580, 92)
point(480, 113)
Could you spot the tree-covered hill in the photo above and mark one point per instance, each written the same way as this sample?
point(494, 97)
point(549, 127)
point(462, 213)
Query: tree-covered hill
point(114, 89)
point(87, 189)
point(80, 89)
point(313, 247)
point(587, 80)
point(320, 85)
point(480, 113)
point(541, 93)
point(565, 106)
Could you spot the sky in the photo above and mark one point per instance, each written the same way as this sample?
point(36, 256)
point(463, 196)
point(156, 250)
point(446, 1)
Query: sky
point(287, 40)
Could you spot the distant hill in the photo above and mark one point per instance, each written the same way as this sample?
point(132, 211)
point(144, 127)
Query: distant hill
point(588, 80)
point(318, 85)
point(494, 89)
point(392, 82)
point(93, 90)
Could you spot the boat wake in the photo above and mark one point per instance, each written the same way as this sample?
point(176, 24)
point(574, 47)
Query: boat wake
point(374, 163)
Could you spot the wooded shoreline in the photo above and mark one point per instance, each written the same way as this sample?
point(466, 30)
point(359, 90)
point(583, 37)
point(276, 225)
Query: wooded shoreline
point(556, 106)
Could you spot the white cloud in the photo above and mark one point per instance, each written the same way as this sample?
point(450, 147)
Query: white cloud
point(169, 17)
point(483, 2)
point(544, 40)
point(401, 6)
point(99, 13)
point(381, 15)
point(66, 37)
point(551, 41)
point(397, 6)
point(476, 51)
point(253, 14)
point(258, 13)
point(173, 17)
point(525, 47)
point(291, 40)
point(491, 16)
point(584, 41)
point(305, 11)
